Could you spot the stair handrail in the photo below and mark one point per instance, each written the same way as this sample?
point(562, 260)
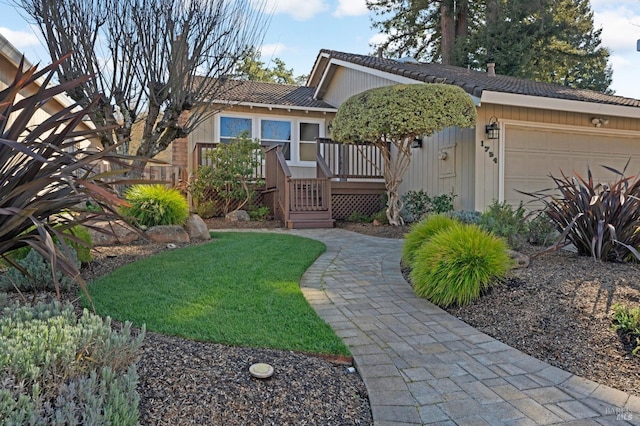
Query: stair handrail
point(277, 177)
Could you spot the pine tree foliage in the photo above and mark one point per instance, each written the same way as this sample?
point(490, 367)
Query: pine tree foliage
point(543, 40)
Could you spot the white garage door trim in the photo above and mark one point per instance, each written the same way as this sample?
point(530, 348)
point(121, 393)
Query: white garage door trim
point(505, 124)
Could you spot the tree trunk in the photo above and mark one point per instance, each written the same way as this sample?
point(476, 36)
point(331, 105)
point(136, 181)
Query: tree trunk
point(492, 12)
point(447, 32)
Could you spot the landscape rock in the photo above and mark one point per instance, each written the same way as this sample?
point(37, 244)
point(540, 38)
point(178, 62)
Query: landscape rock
point(163, 234)
point(197, 228)
point(238, 216)
point(115, 232)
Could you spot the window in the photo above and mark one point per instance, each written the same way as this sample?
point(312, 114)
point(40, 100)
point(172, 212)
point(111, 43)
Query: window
point(277, 132)
point(232, 127)
point(308, 134)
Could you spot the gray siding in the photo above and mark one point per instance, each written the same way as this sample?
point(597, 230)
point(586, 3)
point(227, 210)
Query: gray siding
point(349, 82)
point(435, 174)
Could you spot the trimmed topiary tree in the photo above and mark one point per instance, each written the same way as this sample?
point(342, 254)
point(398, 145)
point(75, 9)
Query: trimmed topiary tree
point(395, 116)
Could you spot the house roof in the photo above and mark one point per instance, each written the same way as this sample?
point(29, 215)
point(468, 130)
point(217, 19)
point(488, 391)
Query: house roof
point(272, 94)
point(473, 82)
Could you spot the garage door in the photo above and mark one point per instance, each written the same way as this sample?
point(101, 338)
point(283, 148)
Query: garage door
point(531, 155)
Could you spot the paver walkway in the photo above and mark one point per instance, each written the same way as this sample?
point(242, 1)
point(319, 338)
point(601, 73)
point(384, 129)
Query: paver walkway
point(423, 366)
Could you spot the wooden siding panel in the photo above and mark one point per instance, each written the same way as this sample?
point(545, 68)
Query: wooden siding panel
point(348, 82)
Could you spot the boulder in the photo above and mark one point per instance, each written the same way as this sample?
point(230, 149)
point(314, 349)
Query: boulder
point(238, 216)
point(115, 232)
point(196, 228)
point(163, 234)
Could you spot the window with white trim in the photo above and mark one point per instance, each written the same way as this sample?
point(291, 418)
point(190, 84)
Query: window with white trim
point(308, 134)
point(232, 127)
point(276, 132)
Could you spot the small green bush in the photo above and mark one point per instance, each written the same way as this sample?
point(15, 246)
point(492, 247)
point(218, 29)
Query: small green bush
point(542, 232)
point(258, 213)
point(38, 275)
point(503, 220)
point(83, 251)
point(358, 217)
point(206, 209)
point(380, 216)
point(457, 263)
point(470, 217)
point(421, 232)
point(418, 204)
point(627, 321)
point(152, 205)
point(57, 368)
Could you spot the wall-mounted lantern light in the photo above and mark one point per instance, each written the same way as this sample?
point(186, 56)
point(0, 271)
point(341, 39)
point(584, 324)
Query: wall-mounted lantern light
point(417, 142)
point(492, 129)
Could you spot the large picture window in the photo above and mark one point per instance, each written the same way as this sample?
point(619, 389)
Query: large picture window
point(277, 132)
point(232, 127)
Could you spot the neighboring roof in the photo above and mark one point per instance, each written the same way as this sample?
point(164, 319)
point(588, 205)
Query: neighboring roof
point(473, 82)
point(272, 94)
point(11, 53)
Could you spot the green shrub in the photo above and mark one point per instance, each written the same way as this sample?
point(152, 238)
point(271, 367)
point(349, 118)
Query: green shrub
point(627, 322)
point(206, 209)
point(541, 230)
point(37, 275)
point(380, 216)
point(470, 217)
point(457, 263)
point(152, 205)
point(421, 232)
point(230, 177)
point(358, 217)
point(259, 213)
point(504, 221)
point(418, 204)
point(600, 220)
point(83, 251)
point(57, 368)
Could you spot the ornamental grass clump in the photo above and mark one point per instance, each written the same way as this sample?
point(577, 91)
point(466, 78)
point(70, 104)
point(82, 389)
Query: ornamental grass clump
point(458, 263)
point(600, 220)
point(153, 205)
point(422, 232)
point(57, 368)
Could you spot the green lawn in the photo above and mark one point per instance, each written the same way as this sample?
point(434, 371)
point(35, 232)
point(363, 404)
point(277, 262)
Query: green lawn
point(240, 289)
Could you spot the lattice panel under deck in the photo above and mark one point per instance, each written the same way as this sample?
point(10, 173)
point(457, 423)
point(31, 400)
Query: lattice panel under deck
point(343, 205)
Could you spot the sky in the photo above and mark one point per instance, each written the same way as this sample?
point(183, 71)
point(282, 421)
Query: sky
point(298, 29)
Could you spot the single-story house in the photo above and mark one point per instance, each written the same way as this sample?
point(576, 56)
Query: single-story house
point(526, 130)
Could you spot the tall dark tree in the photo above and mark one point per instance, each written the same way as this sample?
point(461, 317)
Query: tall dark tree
point(149, 58)
point(545, 40)
point(426, 29)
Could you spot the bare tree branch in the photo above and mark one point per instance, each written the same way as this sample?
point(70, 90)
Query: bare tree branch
point(159, 62)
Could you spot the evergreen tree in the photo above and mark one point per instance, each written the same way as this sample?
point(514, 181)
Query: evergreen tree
point(544, 40)
point(250, 67)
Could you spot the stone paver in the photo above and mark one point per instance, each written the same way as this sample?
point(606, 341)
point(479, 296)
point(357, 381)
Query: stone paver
point(423, 366)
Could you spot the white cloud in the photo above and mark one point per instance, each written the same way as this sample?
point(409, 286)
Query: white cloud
point(269, 51)
point(378, 39)
point(620, 23)
point(351, 8)
point(300, 10)
point(20, 39)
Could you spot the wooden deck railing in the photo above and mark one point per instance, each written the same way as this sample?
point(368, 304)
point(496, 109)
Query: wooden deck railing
point(358, 161)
